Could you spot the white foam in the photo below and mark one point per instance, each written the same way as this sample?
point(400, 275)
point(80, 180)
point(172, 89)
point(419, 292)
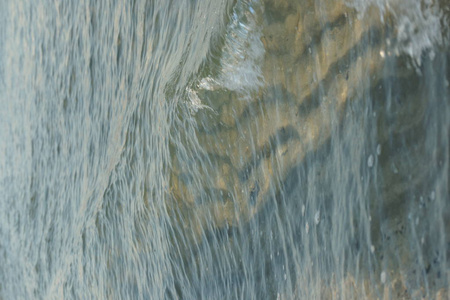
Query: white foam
point(196, 103)
point(242, 53)
point(418, 24)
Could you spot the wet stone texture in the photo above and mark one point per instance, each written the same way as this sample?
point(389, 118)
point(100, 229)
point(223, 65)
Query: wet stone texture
point(333, 176)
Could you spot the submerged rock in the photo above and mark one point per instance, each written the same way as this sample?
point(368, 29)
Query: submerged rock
point(302, 137)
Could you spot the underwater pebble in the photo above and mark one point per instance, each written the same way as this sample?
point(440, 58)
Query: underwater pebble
point(372, 248)
point(378, 149)
point(303, 210)
point(307, 227)
point(370, 161)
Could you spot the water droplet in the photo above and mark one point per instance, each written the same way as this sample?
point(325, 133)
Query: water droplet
point(378, 149)
point(383, 277)
point(307, 228)
point(303, 210)
point(372, 248)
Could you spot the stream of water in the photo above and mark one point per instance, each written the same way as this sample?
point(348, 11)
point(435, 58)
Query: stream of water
point(224, 149)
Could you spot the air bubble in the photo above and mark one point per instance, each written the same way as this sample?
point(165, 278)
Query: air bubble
point(370, 161)
point(394, 168)
point(317, 217)
point(383, 277)
point(433, 195)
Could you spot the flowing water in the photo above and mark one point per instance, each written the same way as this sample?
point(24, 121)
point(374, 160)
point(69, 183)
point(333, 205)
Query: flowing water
point(224, 149)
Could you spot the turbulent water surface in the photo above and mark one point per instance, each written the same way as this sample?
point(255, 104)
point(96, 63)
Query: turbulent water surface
point(221, 149)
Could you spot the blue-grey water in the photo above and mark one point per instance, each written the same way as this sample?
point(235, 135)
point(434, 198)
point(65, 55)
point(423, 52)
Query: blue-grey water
point(224, 149)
